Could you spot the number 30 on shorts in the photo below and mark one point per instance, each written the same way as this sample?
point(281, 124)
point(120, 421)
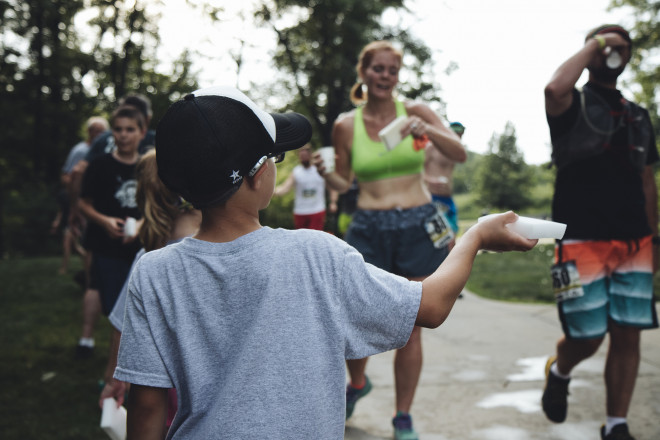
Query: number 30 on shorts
point(566, 281)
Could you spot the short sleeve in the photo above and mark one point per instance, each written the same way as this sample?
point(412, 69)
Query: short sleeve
point(380, 307)
point(562, 124)
point(139, 360)
point(70, 160)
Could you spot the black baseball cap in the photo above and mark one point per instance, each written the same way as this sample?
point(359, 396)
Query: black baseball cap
point(210, 140)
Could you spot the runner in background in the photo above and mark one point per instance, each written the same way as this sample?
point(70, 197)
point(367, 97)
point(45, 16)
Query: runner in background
point(309, 202)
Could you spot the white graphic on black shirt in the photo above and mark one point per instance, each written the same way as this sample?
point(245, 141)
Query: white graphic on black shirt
point(110, 145)
point(125, 195)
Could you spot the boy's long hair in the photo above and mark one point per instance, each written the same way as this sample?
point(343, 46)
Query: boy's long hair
point(159, 206)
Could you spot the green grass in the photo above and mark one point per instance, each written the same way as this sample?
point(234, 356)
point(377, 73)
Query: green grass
point(46, 394)
point(518, 276)
point(467, 206)
point(49, 395)
point(514, 276)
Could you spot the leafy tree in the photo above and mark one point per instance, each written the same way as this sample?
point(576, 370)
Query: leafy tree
point(465, 174)
point(505, 180)
point(645, 34)
point(317, 55)
point(52, 78)
point(646, 44)
point(41, 98)
point(40, 84)
point(124, 45)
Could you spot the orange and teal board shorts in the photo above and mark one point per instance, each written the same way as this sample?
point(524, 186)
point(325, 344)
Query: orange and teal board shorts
point(617, 281)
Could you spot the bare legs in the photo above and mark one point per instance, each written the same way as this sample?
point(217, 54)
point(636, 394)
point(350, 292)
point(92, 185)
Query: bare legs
point(407, 369)
point(621, 369)
point(356, 369)
point(91, 312)
point(571, 352)
point(69, 243)
point(66, 251)
point(621, 366)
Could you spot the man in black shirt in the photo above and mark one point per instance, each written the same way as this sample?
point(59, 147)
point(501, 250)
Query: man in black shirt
point(604, 149)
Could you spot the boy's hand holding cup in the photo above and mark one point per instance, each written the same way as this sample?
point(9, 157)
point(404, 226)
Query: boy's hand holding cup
point(496, 236)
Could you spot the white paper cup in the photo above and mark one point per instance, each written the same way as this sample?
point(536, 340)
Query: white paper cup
point(614, 60)
point(391, 135)
point(534, 228)
point(113, 419)
point(328, 156)
point(130, 227)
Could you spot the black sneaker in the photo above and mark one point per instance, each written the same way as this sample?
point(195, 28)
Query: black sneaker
point(555, 395)
point(84, 352)
point(619, 432)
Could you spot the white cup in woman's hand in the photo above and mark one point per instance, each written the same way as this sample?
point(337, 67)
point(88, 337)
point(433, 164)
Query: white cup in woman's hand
point(328, 157)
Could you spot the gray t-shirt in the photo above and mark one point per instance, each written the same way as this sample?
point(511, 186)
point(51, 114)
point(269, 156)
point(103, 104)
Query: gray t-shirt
point(77, 153)
point(254, 333)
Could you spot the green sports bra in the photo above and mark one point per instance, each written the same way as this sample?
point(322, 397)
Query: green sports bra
point(372, 161)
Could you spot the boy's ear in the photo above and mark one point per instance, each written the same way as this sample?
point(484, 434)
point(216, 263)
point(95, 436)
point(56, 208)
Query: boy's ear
point(254, 180)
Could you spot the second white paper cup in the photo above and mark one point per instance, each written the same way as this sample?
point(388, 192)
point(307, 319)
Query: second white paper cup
point(328, 156)
point(130, 227)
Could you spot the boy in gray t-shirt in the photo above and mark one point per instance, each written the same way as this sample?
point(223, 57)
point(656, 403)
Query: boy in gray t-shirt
point(252, 325)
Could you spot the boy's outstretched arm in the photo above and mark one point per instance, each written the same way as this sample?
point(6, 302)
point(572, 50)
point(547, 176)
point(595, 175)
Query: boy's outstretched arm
point(440, 289)
point(147, 413)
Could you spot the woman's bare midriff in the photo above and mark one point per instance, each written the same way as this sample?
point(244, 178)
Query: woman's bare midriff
point(397, 192)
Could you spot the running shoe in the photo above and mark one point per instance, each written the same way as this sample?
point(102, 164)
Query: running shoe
point(403, 429)
point(355, 394)
point(555, 395)
point(83, 352)
point(619, 432)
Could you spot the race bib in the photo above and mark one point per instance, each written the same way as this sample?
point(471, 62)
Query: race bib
point(566, 281)
point(308, 193)
point(438, 229)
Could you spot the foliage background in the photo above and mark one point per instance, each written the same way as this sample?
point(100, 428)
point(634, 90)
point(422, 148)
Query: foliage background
point(52, 78)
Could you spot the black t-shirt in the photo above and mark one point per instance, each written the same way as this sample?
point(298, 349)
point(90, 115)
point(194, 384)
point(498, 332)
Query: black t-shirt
point(105, 143)
point(601, 197)
point(111, 186)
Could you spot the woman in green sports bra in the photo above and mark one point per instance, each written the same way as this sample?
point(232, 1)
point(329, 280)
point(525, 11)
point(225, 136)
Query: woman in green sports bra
point(394, 206)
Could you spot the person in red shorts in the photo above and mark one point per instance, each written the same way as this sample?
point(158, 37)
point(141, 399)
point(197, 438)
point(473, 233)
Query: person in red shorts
point(309, 201)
